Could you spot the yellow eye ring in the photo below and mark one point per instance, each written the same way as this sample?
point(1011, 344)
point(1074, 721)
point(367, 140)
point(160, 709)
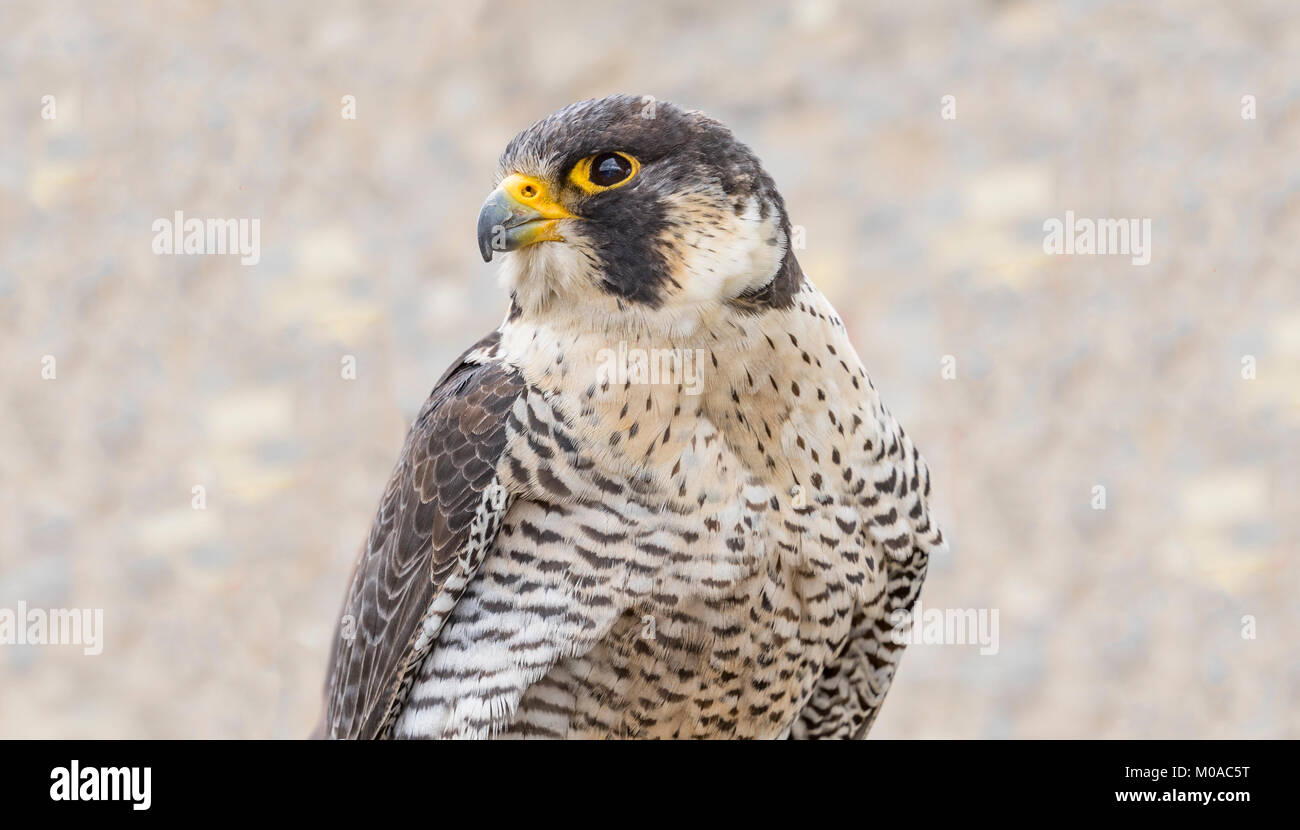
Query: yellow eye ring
point(604, 171)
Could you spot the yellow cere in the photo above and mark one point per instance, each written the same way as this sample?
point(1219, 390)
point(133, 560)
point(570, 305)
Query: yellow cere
point(533, 193)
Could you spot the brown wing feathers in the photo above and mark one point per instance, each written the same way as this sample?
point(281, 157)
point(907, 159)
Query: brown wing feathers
point(416, 545)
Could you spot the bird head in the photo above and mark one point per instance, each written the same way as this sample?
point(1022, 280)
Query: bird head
point(627, 204)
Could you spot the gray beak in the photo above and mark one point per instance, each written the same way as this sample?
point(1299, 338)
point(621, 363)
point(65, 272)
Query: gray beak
point(518, 213)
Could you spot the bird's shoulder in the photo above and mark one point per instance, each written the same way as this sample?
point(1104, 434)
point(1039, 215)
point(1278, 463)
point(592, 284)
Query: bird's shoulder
point(893, 500)
point(436, 519)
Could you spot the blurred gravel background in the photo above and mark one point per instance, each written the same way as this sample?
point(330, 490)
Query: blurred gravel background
point(1072, 372)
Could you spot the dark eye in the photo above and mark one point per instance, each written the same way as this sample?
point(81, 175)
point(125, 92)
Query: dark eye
point(608, 169)
point(604, 171)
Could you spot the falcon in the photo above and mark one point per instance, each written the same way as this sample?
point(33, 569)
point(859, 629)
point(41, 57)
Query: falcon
point(663, 499)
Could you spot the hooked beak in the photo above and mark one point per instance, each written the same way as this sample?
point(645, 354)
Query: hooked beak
point(519, 212)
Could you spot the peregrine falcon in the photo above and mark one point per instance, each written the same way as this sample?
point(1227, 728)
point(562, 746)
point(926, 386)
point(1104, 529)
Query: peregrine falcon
point(663, 499)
